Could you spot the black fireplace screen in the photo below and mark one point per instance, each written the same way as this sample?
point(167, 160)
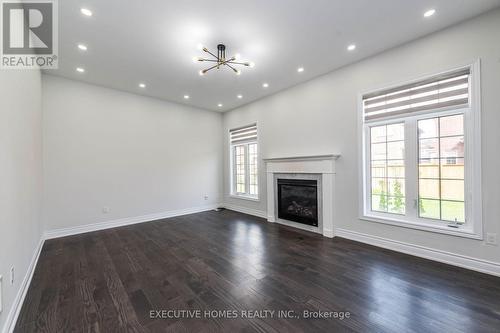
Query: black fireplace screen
point(298, 200)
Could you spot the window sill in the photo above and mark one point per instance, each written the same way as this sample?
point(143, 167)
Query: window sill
point(441, 229)
point(244, 197)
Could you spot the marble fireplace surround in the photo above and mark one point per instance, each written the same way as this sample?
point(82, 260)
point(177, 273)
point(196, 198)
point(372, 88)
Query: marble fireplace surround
point(319, 167)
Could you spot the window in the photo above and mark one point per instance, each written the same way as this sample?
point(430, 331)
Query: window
point(240, 166)
point(441, 183)
point(387, 168)
point(244, 161)
point(421, 154)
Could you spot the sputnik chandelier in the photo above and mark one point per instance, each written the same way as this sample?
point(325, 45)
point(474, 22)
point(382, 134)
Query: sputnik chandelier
point(220, 60)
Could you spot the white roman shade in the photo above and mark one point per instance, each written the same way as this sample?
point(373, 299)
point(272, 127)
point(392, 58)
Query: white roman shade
point(442, 91)
point(243, 134)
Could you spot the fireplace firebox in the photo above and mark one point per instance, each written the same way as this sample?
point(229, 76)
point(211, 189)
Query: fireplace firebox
point(298, 200)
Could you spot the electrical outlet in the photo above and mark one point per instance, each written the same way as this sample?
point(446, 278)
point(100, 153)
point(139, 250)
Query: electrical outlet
point(491, 239)
point(205, 197)
point(12, 275)
point(105, 209)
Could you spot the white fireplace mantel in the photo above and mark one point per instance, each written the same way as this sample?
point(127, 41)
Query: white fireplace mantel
point(323, 165)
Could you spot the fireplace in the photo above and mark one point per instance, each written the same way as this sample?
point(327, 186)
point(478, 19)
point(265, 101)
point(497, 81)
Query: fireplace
point(298, 200)
point(318, 171)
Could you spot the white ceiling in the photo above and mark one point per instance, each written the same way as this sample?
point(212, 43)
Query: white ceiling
point(154, 41)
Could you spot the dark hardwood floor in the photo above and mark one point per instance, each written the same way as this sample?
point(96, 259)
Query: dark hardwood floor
point(109, 281)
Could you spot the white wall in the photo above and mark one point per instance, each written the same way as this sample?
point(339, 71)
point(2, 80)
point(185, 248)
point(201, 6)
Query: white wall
point(136, 155)
point(320, 117)
point(20, 177)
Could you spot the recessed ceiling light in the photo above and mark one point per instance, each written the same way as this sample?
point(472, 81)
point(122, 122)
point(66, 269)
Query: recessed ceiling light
point(429, 13)
point(240, 96)
point(82, 47)
point(86, 12)
point(300, 69)
point(80, 70)
point(265, 85)
point(219, 105)
point(186, 96)
point(351, 47)
point(142, 85)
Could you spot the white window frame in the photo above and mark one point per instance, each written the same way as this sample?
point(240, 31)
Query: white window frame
point(232, 152)
point(473, 227)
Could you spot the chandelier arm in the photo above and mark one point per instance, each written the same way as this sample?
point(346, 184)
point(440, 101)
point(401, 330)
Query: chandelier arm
point(209, 60)
point(210, 68)
point(213, 55)
point(234, 69)
point(228, 61)
point(218, 65)
point(238, 63)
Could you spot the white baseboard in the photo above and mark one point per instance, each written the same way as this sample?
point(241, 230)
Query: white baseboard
point(474, 264)
point(56, 233)
point(15, 309)
point(245, 210)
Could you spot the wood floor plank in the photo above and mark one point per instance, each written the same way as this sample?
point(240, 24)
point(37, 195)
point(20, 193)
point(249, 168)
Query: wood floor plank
point(111, 280)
